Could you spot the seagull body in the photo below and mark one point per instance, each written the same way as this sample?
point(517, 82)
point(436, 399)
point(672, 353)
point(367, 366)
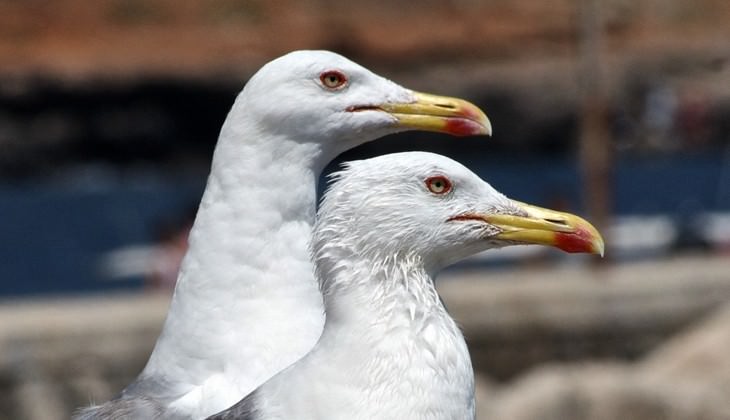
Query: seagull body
point(389, 349)
point(246, 303)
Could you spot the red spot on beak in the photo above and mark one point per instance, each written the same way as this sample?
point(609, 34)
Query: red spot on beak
point(581, 240)
point(463, 127)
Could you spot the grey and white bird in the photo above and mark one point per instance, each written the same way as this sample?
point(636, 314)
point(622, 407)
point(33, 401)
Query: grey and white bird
point(246, 304)
point(389, 349)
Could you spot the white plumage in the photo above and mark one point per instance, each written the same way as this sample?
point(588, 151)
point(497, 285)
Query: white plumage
point(389, 349)
point(246, 303)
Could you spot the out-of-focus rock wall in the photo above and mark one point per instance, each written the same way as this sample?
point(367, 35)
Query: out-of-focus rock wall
point(514, 320)
point(635, 341)
point(56, 355)
point(686, 378)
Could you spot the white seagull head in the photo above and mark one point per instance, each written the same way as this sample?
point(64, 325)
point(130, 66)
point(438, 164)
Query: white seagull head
point(322, 97)
point(431, 208)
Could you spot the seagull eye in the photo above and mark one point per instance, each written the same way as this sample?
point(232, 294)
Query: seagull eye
point(333, 79)
point(438, 184)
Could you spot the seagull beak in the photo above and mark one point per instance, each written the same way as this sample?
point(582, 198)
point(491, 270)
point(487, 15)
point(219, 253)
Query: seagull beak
point(441, 114)
point(540, 226)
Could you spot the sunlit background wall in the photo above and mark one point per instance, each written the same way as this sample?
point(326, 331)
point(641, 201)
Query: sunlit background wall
point(617, 110)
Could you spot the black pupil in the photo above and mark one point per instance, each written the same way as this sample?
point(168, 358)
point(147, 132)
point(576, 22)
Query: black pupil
point(333, 79)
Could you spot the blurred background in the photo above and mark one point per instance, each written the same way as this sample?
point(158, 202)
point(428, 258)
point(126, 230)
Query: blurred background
point(618, 110)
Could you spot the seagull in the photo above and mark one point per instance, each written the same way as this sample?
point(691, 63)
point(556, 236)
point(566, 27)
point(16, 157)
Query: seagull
point(389, 349)
point(246, 303)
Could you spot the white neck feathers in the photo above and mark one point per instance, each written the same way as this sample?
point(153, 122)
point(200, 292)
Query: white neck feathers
point(248, 261)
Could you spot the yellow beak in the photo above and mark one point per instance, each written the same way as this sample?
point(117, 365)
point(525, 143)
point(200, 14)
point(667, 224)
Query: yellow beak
point(441, 114)
point(564, 231)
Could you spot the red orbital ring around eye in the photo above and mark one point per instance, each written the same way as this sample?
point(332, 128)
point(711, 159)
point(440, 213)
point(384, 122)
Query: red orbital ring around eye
point(339, 75)
point(443, 179)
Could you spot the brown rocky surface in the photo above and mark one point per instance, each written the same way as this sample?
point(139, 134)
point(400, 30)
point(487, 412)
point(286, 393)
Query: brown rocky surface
point(572, 313)
point(604, 392)
point(131, 38)
point(685, 378)
point(701, 355)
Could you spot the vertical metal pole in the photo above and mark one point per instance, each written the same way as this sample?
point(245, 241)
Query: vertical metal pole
point(595, 142)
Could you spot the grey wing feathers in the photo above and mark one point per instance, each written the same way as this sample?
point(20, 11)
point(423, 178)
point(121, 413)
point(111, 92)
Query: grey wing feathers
point(242, 410)
point(122, 409)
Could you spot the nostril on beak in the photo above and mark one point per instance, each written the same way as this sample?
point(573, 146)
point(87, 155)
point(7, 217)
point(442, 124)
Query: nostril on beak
point(557, 222)
point(446, 106)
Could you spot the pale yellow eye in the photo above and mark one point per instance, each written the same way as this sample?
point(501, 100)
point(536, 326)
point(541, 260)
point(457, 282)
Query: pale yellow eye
point(333, 79)
point(438, 184)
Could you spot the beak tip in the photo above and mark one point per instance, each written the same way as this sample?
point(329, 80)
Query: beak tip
point(592, 239)
point(583, 239)
point(487, 127)
point(598, 247)
point(593, 236)
point(480, 119)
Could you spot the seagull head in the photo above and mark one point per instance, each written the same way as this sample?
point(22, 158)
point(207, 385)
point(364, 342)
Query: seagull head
point(430, 207)
point(322, 97)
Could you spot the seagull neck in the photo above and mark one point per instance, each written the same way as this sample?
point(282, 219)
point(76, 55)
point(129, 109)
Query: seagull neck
point(257, 188)
point(386, 317)
point(248, 259)
point(395, 289)
point(259, 205)
point(246, 151)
